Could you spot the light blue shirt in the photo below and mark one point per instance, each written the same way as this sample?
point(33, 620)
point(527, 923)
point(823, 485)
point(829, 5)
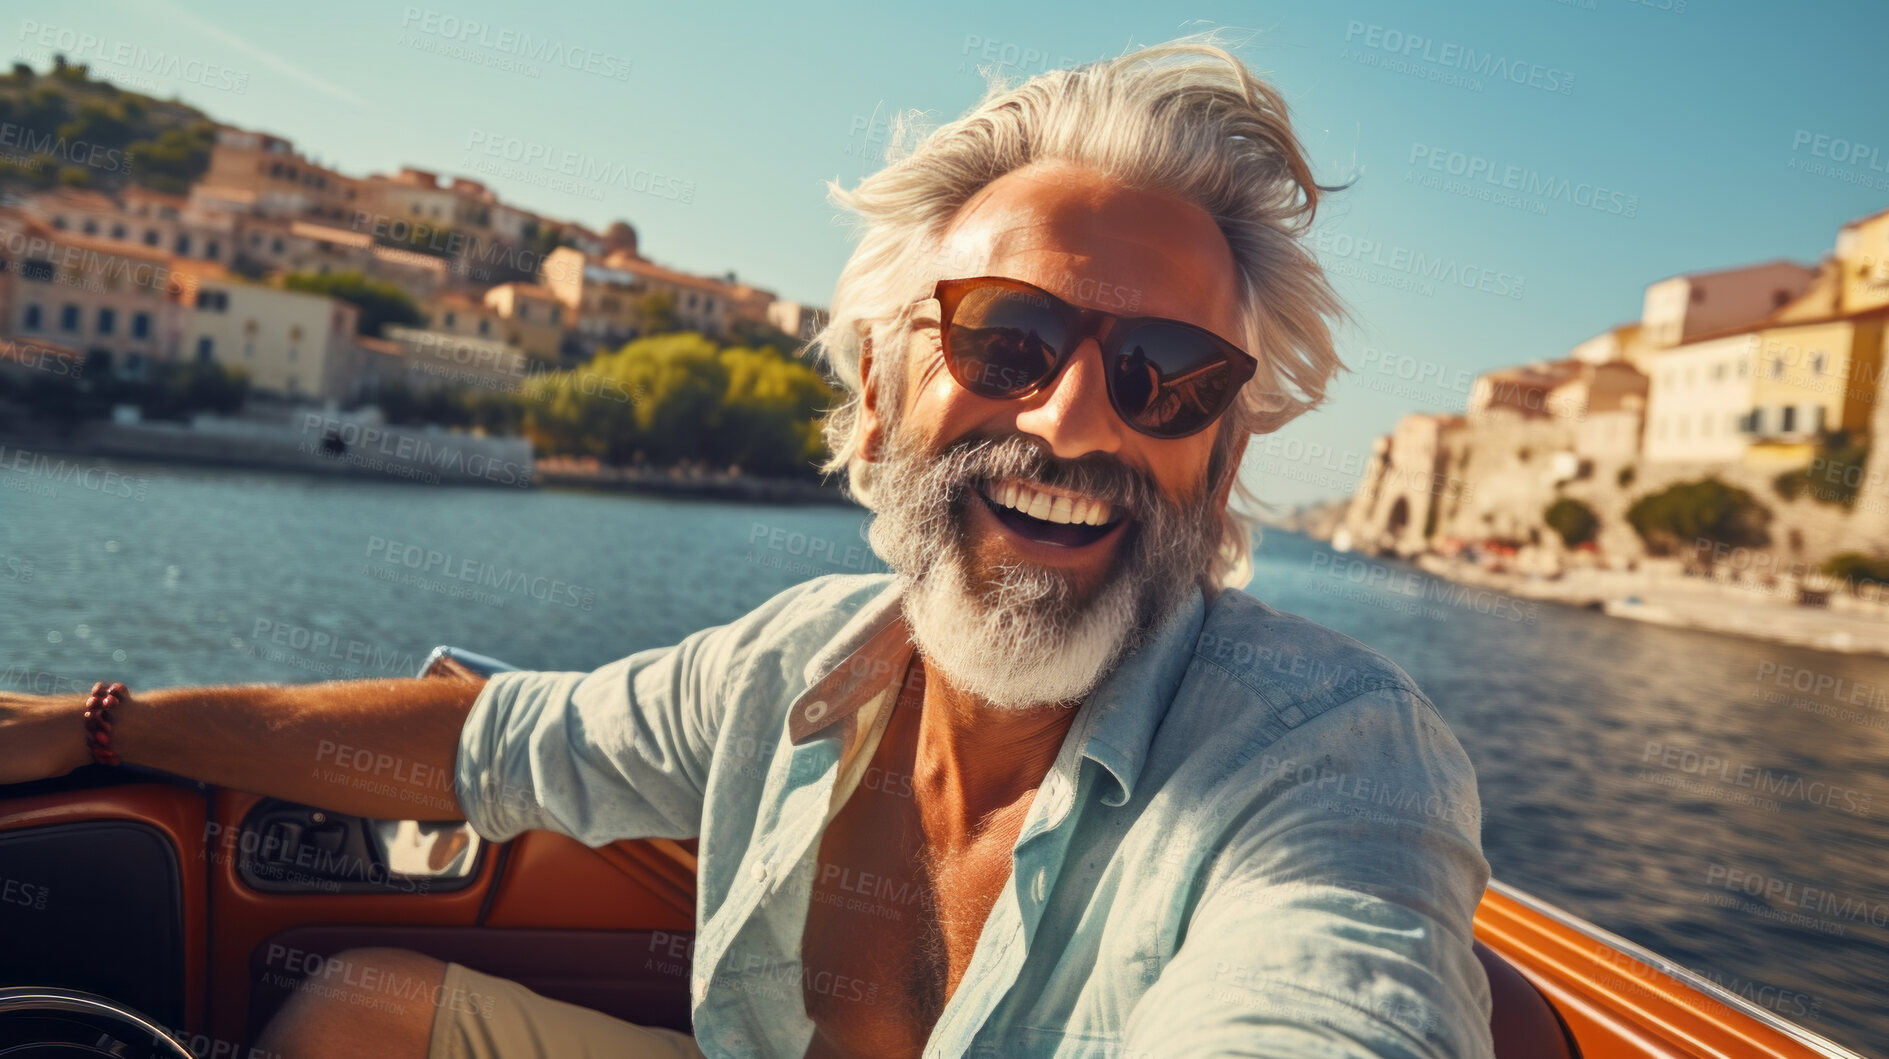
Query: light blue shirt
point(1259, 837)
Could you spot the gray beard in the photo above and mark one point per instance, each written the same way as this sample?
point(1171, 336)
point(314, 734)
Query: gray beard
point(1022, 635)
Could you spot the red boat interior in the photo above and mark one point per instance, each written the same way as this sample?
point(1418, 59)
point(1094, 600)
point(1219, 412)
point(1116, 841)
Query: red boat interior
point(155, 904)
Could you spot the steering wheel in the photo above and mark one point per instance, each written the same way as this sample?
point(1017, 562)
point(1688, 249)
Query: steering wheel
point(45, 1002)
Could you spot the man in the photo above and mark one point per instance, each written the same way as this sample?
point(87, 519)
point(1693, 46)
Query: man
point(1137, 812)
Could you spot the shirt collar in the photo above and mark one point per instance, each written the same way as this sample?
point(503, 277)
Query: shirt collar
point(869, 650)
point(1120, 717)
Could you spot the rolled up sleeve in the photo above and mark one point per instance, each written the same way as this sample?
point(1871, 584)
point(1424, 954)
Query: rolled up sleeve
point(1337, 918)
point(619, 753)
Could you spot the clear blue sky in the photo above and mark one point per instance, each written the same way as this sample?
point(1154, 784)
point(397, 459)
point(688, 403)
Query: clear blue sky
point(1692, 107)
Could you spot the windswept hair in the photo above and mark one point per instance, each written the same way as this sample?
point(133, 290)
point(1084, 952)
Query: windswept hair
point(1185, 118)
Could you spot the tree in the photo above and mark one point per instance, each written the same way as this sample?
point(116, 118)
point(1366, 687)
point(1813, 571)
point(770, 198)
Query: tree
point(1856, 569)
point(1696, 518)
point(1574, 521)
point(656, 313)
point(770, 417)
point(381, 304)
point(1833, 474)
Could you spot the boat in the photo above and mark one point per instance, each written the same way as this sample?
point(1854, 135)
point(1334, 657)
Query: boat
point(174, 919)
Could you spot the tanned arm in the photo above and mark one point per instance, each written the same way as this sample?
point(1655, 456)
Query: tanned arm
point(383, 749)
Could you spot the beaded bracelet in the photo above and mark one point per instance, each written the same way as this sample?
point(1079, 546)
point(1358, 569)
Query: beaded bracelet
point(98, 720)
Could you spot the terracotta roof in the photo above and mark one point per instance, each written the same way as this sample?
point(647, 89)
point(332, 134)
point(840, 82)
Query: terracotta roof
point(74, 198)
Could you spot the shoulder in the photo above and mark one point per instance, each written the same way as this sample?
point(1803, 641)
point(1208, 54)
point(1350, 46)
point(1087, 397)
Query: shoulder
point(1295, 667)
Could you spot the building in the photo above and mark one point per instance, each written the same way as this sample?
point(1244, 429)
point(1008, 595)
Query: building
point(535, 320)
point(460, 314)
point(793, 318)
point(605, 301)
point(140, 218)
point(254, 172)
point(290, 343)
point(424, 360)
point(118, 303)
point(1766, 391)
point(1682, 309)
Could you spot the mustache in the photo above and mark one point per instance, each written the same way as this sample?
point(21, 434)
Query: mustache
point(976, 459)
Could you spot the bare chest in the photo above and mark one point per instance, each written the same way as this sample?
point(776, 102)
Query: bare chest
point(893, 922)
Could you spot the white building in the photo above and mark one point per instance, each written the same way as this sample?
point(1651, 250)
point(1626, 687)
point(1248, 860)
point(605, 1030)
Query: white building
point(1699, 399)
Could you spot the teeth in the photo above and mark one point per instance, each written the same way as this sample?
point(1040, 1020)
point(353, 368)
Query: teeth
point(1051, 507)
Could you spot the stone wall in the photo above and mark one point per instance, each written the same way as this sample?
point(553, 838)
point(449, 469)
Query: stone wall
point(1497, 475)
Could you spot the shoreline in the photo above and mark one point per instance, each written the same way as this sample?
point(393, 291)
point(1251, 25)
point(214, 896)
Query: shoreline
point(1846, 625)
point(176, 447)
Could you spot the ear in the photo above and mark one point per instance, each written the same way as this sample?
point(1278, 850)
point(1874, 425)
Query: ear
point(871, 426)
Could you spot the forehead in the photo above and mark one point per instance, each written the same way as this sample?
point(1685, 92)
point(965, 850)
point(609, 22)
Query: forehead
point(1095, 242)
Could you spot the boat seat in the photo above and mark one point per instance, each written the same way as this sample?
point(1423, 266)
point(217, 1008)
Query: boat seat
point(1525, 1025)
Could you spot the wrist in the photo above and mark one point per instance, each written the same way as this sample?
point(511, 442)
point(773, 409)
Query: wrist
point(100, 719)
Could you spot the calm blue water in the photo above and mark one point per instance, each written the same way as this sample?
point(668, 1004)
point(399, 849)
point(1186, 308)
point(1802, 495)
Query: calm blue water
point(1659, 782)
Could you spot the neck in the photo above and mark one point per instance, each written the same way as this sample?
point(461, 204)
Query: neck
point(981, 760)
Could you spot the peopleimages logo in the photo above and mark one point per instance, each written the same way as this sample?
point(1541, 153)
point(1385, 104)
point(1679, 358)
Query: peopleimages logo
point(584, 168)
point(1525, 181)
point(1452, 56)
point(515, 43)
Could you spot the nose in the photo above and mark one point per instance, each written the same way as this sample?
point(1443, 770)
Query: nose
point(1073, 414)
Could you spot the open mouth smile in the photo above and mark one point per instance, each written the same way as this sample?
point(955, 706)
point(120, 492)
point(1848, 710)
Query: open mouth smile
point(1049, 516)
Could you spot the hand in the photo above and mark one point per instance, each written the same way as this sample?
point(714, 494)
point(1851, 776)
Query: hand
point(44, 736)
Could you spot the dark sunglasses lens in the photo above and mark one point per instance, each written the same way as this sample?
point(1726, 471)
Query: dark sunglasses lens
point(1002, 342)
point(1170, 381)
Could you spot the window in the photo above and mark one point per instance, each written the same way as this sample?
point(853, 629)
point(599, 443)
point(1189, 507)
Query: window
point(31, 320)
point(152, 237)
point(106, 321)
point(206, 350)
point(275, 245)
point(134, 365)
point(447, 319)
point(183, 244)
point(59, 223)
point(211, 249)
point(90, 227)
point(557, 314)
point(1790, 418)
point(213, 301)
point(485, 327)
point(118, 231)
point(69, 318)
point(1818, 362)
point(38, 269)
point(140, 325)
point(1777, 367)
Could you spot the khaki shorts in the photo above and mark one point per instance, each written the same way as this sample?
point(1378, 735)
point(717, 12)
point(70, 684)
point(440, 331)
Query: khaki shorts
point(504, 1020)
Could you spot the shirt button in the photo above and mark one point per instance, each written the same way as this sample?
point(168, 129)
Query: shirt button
point(1039, 885)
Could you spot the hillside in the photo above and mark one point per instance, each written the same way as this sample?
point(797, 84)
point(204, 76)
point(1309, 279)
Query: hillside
point(62, 127)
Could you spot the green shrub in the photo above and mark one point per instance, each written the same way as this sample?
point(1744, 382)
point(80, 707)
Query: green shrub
point(1574, 521)
point(1857, 569)
point(1691, 517)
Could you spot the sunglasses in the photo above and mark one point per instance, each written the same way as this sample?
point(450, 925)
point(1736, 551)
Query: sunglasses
point(1006, 339)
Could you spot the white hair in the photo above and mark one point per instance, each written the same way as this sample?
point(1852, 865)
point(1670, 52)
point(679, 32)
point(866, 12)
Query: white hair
point(1185, 118)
